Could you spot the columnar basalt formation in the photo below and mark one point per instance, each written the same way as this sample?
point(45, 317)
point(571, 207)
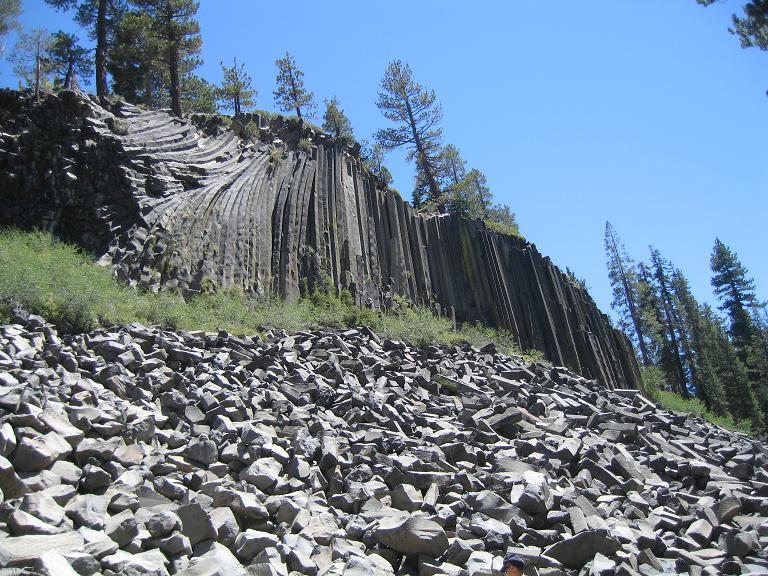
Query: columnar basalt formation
point(194, 205)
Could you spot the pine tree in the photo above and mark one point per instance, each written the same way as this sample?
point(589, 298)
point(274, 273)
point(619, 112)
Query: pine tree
point(621, 272)
point(673, 338)
point(413, 108)
point(703, 352)
point(290, 93)
point(30, 59)
point(236, 91)
point(101, 18)
point(649, 311)
point(742, 401)
point(178, 32)
point(68, 59)
point(373, 161)
point(736, 292)
point(9, 13)
point(136, 61)
point(335, 122)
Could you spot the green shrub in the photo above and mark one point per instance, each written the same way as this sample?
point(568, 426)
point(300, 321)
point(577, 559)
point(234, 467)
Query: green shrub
point(251, 130)
point(305, 144)
point(506, 229)
point(117, 126)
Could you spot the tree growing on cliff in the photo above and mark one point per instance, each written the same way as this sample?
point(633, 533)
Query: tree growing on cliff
point(623, 277)
point(178, 33)
point(136, 60)
point(291, 94)
point(236, 91)
point(335, 122)
point(100, 18)
point(69, 59)
point(9, 13)
point(373, 161)
point(416, 114)
point(30, 59)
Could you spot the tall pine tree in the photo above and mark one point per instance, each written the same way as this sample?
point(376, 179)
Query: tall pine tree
point(416, 114)
point(101, 19)
point(621, 272)
point(178, 33)
point(236, 91)
point(736, 292)
point(291, 94)
point(703, 353)
point(69, 59)
point(673, 337)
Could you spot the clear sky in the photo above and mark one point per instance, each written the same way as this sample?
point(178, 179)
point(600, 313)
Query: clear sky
point(646, 113)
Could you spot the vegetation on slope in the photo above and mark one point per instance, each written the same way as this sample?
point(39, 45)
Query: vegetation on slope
point(61, 283)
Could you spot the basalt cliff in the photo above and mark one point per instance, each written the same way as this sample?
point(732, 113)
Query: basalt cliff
point(192, 204)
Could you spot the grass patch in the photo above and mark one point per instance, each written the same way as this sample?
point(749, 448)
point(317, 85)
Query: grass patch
point(654, 383)
point(61, 283)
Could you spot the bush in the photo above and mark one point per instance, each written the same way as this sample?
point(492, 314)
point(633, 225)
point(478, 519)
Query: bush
point(251, 130)
point(506, 229)
point(305, 144)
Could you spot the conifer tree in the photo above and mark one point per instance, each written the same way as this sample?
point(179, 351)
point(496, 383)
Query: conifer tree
point(335, 122)
point(9, 13)
point(373, 161)
point(621, 272)
point(136, 61)
point(742, 401)
point(236, 91)
point(704, 353)
point(672, 337)
point(101, 18)
point(290, 93)
point(68, 58)
point(178, 32)
point(412, 107)
point(30, 59)
point(736, 292)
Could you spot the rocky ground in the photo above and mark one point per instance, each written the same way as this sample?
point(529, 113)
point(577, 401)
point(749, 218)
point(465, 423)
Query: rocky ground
point(139, 451)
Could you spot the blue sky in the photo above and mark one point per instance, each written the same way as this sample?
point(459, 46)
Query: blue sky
point(646, 113)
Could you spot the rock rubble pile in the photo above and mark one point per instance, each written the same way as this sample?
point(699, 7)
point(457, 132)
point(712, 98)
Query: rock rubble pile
point(139, 451)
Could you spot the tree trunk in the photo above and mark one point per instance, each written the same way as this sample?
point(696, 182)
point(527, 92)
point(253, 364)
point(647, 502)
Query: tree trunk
point(295, 96)
point(101, 49)
point(37, 72)
point(70, 73)
point(173, 65)
point(434, 191)
point(148, 91)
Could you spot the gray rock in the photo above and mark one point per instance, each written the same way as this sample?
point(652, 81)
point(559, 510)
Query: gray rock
point(412, 535)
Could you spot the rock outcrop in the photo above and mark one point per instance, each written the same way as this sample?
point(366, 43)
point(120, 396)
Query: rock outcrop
point(139, 451)
point(193, 205)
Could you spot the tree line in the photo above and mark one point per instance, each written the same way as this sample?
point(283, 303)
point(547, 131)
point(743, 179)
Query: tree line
point(686, 346)
point(149, 51)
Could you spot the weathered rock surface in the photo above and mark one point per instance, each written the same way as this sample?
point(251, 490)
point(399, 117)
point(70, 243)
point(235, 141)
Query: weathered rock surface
point(328, 453)
point(189, 205)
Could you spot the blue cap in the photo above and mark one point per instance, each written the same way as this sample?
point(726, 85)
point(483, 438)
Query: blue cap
point(513, 560)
